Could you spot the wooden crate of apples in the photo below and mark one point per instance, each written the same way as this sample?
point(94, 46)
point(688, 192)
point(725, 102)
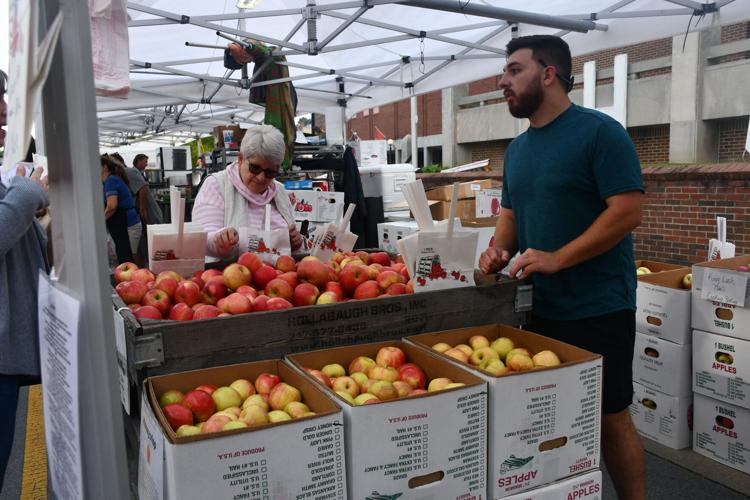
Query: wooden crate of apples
point(251, 285)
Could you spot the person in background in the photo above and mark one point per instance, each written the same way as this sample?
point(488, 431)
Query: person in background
point(237, 196)
point(572, 195)
point(122, 220)
point(23, 255)
point(140, 162)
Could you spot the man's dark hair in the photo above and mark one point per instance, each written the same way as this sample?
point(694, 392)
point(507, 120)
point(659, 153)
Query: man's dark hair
point(138, 158)
point(548, 50)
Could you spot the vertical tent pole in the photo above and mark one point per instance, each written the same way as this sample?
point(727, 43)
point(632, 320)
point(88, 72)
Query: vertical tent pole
point(70, 132)
point(414, 118)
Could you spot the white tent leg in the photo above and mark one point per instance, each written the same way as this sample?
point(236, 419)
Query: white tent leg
point(414, 119)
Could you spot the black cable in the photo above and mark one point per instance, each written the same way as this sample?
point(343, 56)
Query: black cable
point(684, 41)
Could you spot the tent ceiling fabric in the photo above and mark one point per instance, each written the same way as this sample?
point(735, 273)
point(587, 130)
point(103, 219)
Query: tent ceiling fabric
point(365, 46)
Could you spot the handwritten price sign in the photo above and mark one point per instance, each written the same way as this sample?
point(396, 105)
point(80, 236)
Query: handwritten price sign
point(728, 287)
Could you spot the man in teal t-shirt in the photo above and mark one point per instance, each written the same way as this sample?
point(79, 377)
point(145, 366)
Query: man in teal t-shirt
point(572, 194)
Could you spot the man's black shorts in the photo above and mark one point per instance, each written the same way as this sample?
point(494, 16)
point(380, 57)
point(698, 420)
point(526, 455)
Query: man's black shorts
point(612, 336)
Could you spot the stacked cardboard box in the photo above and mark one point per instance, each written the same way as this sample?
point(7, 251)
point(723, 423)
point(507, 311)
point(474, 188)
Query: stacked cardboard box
point(662, 392)
point(465, 206)
point(544, 424)
point(721, 361)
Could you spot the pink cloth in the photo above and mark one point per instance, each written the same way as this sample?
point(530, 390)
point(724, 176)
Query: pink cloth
point(209, 206)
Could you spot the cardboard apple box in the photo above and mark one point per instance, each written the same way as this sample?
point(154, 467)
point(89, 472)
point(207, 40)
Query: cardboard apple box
point(390, 232)
point(663, 306)
point(319, 206)
point(428, 446)
point(722, 432)
point(466, 190)
point(662, 365)
point(544, 424)
point(301, 458)
point(662, 418)
point(715, 315)
point(721, 368)
point(584, 487)
point(655, 266)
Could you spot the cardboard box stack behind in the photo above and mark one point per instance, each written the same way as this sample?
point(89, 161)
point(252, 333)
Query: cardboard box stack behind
point(301, 458)
point(435, 442)
point(662, 355)
point(465, 207)
point(544, 424)
point(721, 361)
point(390, 232)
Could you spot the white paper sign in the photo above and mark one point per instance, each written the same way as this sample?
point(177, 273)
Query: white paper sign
point(58, 346)
point(122, 360)
point(724, 286)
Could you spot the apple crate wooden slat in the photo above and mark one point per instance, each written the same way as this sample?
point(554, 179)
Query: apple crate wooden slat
point(160, 347)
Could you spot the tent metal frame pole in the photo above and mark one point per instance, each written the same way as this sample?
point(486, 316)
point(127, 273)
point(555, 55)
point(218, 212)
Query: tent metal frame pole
point(295, 29)
point(414, 132)
point(70, 131)
point(147, 65)
point(211, 18)
point(367, 43)
point(510, 15)
point(182, 62)
point(688, 3)
point(341, 27)
point(638, 13)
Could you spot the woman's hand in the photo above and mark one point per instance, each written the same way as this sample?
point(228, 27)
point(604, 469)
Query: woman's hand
point(35, 176)
point(294, 237)
point(225, 240)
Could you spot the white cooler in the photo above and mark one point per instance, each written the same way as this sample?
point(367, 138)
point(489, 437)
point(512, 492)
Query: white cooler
point(385, 181)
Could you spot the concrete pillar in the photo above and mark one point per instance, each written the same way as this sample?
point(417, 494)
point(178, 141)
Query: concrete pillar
point(691, 139)
point(426, 156)
point(453, 153)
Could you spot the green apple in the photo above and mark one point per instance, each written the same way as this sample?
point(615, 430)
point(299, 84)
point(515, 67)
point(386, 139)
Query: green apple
point(502, 346)
point(188, 430)
point(438, 384)
point(481, 354)
point(234, 424)
point(362, 398)
point(224, 397)
point(334, 370)
point(348, 397)
point(545, 358)
point(278, 416)
point(478, 341)
point(441, 347)
point(493, 366)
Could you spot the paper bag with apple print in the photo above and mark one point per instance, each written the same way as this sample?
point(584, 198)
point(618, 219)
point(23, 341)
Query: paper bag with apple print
point(444, 260)
point(335, 237)
point(268, 243)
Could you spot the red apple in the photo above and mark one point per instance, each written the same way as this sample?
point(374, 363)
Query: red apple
point(278, 287)
point(402, 388)
point(381, 258)
point(250, 260)
point(390, 356)
point(207, 311)
point(305, 294)
point(213, 290)
point(282, 394)
point(158, 299)
point(263, 275)
point(413, 375)
point(181, 312)
point(396, 289)
point(215, 424)
point(410, 286)
point(198, 281)
point(177, 415)
point(388, 278)
point(187, 292)
point(236, 303)
point(417, 392)
point(131, 292)
point(260, 303)
point(363, 256)
point(335, 287)
point(285, 263)
point(210, 273)
point(290, 277)
point(200, 403)
point(148, 312)
point(207, 388)
point(322, 377)
point(167, 285)
point(248, 292)
point(383, 390)
point(361, 364)
point(265, 382)
point(134, 307)
point(313, 271)
point(351, 277)
point(168, 274)
point(143, 275)
point(367, 290)
point(124, 272)
point(275, 303)
point(236, 275)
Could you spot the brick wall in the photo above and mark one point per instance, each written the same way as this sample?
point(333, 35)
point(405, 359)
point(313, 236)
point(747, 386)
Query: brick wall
point(681, 207)
point(651, 143)
point(735, 32)
point(394, 119)
point(494, 150)
point(732, 136)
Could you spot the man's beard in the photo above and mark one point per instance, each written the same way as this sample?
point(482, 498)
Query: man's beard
point(528, 102)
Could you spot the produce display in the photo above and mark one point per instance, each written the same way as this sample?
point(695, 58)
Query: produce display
point(251, 285)
point(499, 357)
point(687, 280)
point(388, 376)
point(209, 409)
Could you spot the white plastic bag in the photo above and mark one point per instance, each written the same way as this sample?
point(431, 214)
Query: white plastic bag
point(268, 243)
point(110, 44)
point(444, 260)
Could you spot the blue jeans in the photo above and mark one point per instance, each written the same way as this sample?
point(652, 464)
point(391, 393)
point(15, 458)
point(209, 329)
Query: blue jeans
point(9, 385)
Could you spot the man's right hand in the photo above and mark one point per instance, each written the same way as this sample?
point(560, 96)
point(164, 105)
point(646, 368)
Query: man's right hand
point(493, 260)
point(226, 239)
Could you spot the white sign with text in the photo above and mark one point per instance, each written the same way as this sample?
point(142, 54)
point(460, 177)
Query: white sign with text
point(723, 286)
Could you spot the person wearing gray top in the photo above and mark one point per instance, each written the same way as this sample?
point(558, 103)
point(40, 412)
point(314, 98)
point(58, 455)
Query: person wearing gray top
point(23, 254)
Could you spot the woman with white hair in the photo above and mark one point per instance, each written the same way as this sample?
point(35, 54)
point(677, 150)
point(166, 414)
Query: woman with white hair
point(237, 196)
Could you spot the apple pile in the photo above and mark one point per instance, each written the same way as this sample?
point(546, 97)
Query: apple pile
point(386, 377)
point(207, 408)
point(499, 357)
point(252, 285)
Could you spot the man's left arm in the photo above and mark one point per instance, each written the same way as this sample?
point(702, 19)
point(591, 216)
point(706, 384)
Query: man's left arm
point(620, 218)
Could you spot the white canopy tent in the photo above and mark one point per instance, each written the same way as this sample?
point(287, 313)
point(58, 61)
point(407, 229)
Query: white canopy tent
point(377, 51)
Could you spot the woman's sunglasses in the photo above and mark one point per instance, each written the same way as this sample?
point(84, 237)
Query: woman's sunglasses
point(256, 170)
